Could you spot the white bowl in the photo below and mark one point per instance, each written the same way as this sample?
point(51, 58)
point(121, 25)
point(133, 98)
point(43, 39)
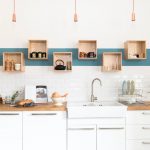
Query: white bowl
point(58, 101)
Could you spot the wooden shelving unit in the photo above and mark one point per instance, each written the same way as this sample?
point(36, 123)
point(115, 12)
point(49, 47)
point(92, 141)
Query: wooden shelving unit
point(13, 61)
point(135, 50)
point(111, 61)
point(38, 50)
point(87, 49)
point(61, 59)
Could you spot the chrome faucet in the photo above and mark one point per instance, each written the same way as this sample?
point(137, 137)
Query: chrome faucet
point(93, 98)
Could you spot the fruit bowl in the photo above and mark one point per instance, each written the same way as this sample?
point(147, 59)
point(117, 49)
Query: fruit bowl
point(58, 101)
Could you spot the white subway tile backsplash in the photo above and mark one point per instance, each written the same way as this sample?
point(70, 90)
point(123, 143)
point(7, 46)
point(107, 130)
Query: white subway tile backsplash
point(77, 83)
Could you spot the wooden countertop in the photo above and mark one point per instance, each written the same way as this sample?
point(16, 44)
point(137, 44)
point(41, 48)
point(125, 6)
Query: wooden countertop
point(51, 107)
point(138, 105)
point(38, 107)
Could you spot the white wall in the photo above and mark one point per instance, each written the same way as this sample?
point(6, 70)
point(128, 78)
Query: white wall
point(108, 21)
point(77, 83)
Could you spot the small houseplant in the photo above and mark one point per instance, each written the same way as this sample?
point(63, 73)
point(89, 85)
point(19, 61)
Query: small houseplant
point(14, 97)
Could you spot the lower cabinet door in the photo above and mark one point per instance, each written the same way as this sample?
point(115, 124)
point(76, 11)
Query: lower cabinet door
point(82, 137)
point(138, 144)
point(10, 130)
point(44, 131)
point(111, 138)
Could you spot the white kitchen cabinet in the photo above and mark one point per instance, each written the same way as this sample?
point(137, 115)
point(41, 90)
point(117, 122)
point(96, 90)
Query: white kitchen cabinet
point(138, 130)
point(138, 144)
point(82, 137)
point(96, 134)
point(44, 130)
point(10, 130)
point(111, 137)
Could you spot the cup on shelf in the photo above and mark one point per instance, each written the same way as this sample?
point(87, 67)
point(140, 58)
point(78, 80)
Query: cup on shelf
point(17, 67)
point(69, 65)
point(43, 54)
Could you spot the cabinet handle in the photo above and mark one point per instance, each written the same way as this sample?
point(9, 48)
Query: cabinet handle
point(44, 114)
point(146, 128)
point(9, 114)
point(145, 113)
point(81, 128)
point(117, 128)
point(145, 142)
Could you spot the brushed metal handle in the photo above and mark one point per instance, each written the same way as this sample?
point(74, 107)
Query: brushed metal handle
point(113, 128)
point(146, 128)
point(9, 114)
point(145, 142)
point(87, 129)
point(145, 113)
point(44, 114)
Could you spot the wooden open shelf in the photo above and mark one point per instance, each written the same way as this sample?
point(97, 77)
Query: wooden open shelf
point(111, 61)
point(66, 57)
point(87, 49)
point(135, 50)
point(38, 50)
point(12, 58)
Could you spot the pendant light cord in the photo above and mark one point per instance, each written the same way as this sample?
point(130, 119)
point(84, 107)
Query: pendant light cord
point(75, 7)
point(14, 6)
point(133, 6)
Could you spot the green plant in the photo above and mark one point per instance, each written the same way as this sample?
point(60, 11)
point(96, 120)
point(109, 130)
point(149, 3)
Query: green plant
point(15, 95)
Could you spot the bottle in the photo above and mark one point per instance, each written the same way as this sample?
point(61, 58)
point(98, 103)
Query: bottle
point(1, 100)
point(7, 65)
point(39, 54)
point(44, 55)
point(12, 66)
point(69, 65)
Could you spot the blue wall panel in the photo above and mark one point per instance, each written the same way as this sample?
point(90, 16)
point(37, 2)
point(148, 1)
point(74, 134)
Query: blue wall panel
point(76, 62)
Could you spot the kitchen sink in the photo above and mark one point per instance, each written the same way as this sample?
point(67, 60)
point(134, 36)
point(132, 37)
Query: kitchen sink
point(96, 109)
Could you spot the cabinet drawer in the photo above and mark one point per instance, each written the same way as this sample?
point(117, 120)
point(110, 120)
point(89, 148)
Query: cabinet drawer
point(138, 117)
point(45, 114)
point(138, 131)
point(138, 145)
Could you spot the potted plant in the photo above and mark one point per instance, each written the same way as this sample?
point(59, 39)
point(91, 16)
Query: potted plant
point(14, 97)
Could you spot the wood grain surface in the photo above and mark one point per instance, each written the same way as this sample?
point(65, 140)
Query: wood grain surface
point(38, 107)
point(138, 105)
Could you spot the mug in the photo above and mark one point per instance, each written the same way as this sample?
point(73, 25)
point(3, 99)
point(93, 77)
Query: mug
point(91, 55)
point(17, 67)
point(39, 54)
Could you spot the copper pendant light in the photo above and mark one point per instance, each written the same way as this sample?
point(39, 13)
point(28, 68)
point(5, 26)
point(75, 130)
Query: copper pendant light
point(133, 13)
point(75, 13)
point(14, 13)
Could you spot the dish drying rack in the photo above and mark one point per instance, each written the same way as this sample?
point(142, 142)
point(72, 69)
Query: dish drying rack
point(136, 96)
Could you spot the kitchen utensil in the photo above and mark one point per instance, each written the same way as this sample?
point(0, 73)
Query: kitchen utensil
point(44, 55)
point(69, 65)
point(58, 101)
point(91, 55)
point(17, 67)
point(124, 87)
point(83, 55)
point(128, 86)
point(132, 87)
point(60, 65)
point(39, 54)
point(34, 55)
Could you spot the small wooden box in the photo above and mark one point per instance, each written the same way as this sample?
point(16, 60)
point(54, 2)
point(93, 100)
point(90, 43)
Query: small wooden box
point(12, 58)
point(87, 49)
point(111, 61)
point(38, 46)
point(64, 57)
point(135, 50)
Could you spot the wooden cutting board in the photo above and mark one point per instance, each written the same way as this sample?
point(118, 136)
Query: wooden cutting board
point(138, 105)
